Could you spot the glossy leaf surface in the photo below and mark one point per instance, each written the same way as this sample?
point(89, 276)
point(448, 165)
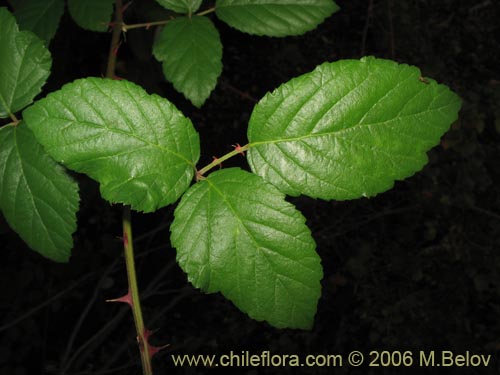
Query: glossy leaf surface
point(38, 199)
point(274, 17)
point(24, 65)
point(191, 52)
point(138, 146)
point(348, 129)
point(236, 234)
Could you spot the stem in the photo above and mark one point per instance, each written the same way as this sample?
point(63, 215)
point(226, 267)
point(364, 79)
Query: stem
point(205, 12)
point(128, 246)
point(115, 39)
point(134, 292)
point(126, 27)
point(218, 161)
point(145, 24)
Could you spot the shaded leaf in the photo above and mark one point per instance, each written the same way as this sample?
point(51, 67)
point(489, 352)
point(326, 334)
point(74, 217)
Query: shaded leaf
point(181, 6)
point(40, 16)
point(191, 52)
point(274, 17)
point(38, 199)
point(230, 237)
point(140, 147)
point(348, 129)
point(24, 65)
point(92, 15)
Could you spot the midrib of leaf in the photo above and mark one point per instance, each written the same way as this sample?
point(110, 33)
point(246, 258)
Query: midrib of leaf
point(254, 240)
point(340, 131)
point(29, 188)
point(115, 130)
point(18, 72)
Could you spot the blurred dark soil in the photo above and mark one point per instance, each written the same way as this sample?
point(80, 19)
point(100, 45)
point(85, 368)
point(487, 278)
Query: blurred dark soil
point(415, 268)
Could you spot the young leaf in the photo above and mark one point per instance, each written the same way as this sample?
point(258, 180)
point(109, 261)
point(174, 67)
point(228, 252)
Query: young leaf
point(348, 129)
point(38, 199)
point(140, 147)
point(230, 237)
point(181, 6)
point(24, 65)
point(40, 16)
point(191, 52)
point(91, 14)
point(274, 17)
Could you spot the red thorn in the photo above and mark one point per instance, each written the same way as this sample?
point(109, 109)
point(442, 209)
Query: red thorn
point(125, 239)
point(115, 51)
point(238, 148)
point(148, 26)
point(125, 7)
point(153, 350)
point(127, 298)
point(215, 159)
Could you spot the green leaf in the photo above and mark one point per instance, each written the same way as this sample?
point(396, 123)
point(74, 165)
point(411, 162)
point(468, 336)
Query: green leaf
point(348, 129)
point(91, 14)
point(274, 17)
point(38, 199)
point(140, 147)
point(24, 65)
point(230, 237)
point(191, 52)
point(40, 16)
point(181, 6)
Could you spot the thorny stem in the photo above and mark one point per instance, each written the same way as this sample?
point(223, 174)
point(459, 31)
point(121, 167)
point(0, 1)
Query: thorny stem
point(115, 39)
point(237, 150)
point(125, 27)
point(133, 292)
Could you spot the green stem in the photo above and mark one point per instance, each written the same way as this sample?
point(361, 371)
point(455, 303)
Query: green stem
point(126, 27)
point(205, 12)
point(134, 292)
point(128, 246)
point(145, 24)
point(237, 150)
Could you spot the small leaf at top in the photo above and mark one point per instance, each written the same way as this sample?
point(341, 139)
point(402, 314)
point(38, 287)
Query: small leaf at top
point(181, 6)
point(38, 199)
point(24, 65)
point(91, 14)
point(274, 17)
point(40, 16)
point(236, 234)
point(349, 128)
point(191, 52)
point(140, 147)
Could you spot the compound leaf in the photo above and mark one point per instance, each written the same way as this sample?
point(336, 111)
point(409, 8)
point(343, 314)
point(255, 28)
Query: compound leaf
point(140, 147)
point(91, 14)
point(181, 6)
point(38, 199)
point(274, 17)
point(24, 65)
point(348, 129)
point(230, 237)
point(191, 52)
point(40, 16)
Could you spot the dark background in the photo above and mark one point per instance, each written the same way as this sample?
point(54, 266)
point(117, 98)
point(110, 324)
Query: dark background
point(415, 268)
